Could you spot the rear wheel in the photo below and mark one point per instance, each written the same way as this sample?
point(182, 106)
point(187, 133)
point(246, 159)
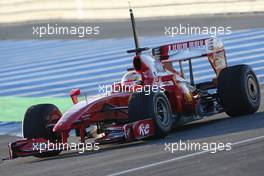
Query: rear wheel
point(155, 106)
point(238, 90)
point(36, 122)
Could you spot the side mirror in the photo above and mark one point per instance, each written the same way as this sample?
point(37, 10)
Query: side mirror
point(74, 93)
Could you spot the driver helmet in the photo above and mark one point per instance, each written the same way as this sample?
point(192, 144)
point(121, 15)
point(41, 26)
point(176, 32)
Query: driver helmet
point(131, 78)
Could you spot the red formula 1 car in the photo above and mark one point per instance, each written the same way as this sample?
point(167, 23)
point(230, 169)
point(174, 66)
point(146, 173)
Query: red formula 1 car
point(151, 99)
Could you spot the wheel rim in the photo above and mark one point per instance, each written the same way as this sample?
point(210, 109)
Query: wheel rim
point(162, 111)
point(252, 88)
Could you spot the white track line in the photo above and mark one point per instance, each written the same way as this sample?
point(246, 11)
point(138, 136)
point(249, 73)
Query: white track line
point(122, 45)
point(181, 157)
point(118, 72)
point(60, 75)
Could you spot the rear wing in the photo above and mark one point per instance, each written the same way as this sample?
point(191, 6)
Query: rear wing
point(212, 48)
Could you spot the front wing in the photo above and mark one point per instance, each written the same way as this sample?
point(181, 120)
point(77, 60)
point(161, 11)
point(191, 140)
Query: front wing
point(126, 133)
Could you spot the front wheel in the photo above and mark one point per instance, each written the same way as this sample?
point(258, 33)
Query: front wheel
point(35, 123)
point(239, 90)
point(156, 106)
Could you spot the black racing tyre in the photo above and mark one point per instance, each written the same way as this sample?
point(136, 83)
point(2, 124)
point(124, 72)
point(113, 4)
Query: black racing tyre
point(238, 90)
point(35, 123)
point(155, 105)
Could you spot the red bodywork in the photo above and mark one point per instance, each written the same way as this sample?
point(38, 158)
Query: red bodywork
point(155, 70)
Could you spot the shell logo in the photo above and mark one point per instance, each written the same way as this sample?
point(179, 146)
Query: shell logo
point(188, 97)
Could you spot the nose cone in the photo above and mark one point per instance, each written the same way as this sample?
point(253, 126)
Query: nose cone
point(59, 127)
point(62, 126)
point(69, 117)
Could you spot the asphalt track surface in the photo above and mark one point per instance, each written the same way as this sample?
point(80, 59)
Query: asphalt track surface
point(150, 158)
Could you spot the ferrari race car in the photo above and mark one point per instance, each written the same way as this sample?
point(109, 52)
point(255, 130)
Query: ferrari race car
point(151, 99)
